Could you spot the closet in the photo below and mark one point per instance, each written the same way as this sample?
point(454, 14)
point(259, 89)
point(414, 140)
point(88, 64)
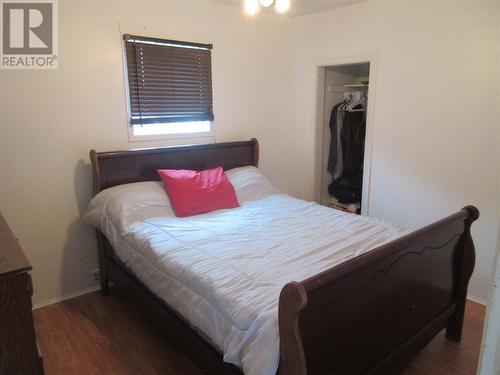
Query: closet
point(345, 106)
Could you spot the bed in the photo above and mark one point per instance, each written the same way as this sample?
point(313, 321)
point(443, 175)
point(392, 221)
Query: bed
point(278, 285)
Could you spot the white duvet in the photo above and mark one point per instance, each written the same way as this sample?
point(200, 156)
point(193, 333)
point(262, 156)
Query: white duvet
point(223, 271)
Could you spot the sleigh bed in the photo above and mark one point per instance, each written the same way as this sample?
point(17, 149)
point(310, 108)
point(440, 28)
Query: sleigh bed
point(368, 315)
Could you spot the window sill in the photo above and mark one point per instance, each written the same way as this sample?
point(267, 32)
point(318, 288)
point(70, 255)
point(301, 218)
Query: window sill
point(203, 130)
point(178, 136)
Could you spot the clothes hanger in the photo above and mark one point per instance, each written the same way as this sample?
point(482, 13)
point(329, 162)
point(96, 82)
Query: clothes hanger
point(345, 102)
point(348, 103)
point(352, 103)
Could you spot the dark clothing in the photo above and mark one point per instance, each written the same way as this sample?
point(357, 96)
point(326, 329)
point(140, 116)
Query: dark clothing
point(334, 143)
point(352, 137)
point(347, 188)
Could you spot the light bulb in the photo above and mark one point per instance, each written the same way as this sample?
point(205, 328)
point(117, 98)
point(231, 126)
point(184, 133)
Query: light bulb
point(282, 6)
point(266, 3)
point(251, 7)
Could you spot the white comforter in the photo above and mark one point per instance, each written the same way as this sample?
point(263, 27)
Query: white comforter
point(223, 271)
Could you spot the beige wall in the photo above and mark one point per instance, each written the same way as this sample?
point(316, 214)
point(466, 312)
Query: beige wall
point(435, 137)
point(51, 119)
point(436, 121)
point(490, 354)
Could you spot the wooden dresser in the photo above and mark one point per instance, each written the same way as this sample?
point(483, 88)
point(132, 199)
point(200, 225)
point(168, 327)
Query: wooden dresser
point(19, 353)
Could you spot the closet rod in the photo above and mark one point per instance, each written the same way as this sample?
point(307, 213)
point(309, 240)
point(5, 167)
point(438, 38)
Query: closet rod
point(358, 85)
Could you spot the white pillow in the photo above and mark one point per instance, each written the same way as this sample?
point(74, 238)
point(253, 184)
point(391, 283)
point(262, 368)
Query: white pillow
point(126, 204)
point(250, 184)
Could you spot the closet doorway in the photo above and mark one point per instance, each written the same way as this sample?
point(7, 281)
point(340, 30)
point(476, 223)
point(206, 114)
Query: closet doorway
point(345, 100)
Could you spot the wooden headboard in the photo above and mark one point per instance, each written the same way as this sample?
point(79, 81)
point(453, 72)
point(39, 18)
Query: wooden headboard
point(123, 167)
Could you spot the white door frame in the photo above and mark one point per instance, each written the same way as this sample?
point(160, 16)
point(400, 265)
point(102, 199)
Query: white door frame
point(320, 66)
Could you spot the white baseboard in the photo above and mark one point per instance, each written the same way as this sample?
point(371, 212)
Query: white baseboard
point(65, 297)
point(479, 300)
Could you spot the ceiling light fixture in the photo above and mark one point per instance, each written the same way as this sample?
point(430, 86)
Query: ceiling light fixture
point(282, 6)
point(252, 7)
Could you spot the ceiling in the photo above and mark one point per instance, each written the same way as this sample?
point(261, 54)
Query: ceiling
point(303, 7)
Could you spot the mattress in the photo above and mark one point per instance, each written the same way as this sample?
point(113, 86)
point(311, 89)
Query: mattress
point(223, 271)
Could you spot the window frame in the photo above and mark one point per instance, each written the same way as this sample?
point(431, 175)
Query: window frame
point(132, 137)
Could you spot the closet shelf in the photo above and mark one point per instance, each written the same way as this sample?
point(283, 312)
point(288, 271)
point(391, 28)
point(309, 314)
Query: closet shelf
point(359, 85)
point(346, 88)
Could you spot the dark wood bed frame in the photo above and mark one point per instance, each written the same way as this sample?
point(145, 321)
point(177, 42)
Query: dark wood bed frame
point(369, 315)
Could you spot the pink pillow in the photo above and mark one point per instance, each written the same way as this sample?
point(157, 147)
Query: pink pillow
point(192, 193)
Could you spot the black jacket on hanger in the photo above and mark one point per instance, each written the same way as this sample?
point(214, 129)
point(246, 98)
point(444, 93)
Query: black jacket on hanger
point(352, 137)
point(347, 188)
point(334, 142)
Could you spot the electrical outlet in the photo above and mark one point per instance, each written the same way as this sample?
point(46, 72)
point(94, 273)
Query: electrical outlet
point(96, 275)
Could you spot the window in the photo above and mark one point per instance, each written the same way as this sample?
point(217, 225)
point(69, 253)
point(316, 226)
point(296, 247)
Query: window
point(169, 87)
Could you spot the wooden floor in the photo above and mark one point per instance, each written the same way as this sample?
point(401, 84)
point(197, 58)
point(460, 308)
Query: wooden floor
point(102, 335)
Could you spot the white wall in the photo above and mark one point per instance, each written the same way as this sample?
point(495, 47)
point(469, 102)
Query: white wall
point(435, 130)
point(51, 119)
point(435, 142)
point(490, 353)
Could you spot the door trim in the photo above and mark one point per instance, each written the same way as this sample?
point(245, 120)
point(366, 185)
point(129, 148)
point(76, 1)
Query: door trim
point(321, 64)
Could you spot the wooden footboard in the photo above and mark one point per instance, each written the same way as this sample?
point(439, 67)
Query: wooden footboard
point(372, 314)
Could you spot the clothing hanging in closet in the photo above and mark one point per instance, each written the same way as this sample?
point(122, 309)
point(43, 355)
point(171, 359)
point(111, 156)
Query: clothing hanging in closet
point(334, 142)
point(347, 146)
